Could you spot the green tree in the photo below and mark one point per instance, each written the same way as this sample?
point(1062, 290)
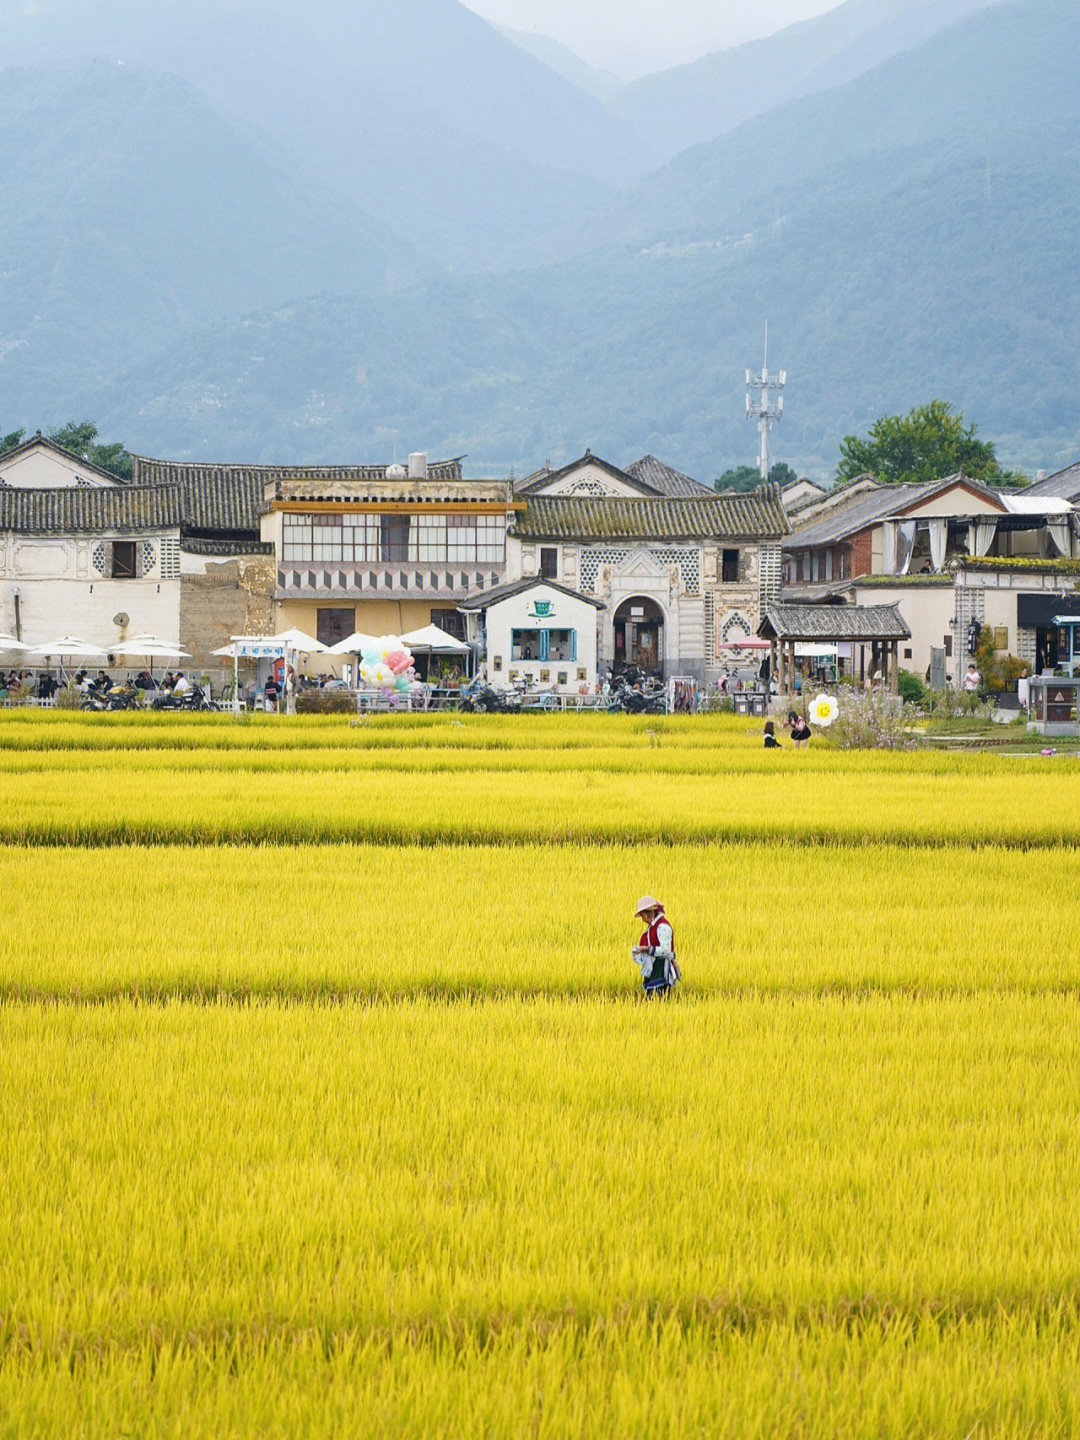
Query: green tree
point(928, 443)
point(9, 441)
point(781, 473)
point(81, 440)
point(740, 477)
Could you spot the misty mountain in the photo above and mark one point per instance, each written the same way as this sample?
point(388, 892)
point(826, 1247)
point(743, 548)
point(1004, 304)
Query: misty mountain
point(923, 243)
point(135, 209)
point(601, 83)
point(683, 106)
point(899, 122)
point(417, 110)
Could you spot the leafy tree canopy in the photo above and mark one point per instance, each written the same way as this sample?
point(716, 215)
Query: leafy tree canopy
point(781, 473)
point(928, 443)
point(748, 477)
point(80, 439)
point(739, 477)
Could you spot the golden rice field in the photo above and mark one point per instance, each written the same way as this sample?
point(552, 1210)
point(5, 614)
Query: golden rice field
point(328, 1106)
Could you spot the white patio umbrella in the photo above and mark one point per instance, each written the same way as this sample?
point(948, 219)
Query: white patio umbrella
point(430, 640)
point(353, 644)
point(10, 646)
point(300, 642)
point(151, 648)
point(435, 641)
point(69, 647)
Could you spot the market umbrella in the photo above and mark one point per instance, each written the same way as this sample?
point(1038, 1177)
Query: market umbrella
point(151, 648)
point(430, 640)
point(300, 642)
point(70, 647)
point(354, 644)
point(436, 641)
point(9, 645)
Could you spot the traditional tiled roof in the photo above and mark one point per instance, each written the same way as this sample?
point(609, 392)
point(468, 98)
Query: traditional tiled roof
point(540, 479)
point(191, 545)
point(794, 502)
point(144, 468)
point(505, 592)
point(664, 479)
point(221, 498)
point(76, 510)
point(1064, 483)
point(868, 507)
point(871, 507)
point(756, 514)
point(833, 622)
point(216, 497)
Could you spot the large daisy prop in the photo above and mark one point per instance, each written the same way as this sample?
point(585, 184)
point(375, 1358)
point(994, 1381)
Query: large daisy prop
point(823, 711)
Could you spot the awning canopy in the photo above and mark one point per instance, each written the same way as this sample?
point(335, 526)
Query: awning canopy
point(1037, 611)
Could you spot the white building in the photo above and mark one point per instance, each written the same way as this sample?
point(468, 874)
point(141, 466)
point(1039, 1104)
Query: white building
point(540, 632)
point(951, 554)
point(680, 572)
point(84, 552)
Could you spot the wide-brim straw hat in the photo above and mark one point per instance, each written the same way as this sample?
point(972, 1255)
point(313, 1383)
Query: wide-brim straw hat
point(647, 903)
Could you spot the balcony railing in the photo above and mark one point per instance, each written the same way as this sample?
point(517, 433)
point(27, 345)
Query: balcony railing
point(360, 581)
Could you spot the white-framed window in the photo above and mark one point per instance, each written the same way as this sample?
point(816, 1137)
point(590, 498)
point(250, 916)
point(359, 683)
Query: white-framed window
point(394, 538)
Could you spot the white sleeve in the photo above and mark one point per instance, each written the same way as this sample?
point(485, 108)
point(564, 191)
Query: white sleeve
point(664, 937)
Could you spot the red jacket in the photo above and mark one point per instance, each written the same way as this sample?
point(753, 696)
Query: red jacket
point(651, 938)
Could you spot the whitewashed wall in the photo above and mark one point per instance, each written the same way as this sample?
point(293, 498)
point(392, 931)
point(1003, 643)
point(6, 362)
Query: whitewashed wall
point(568, 613)
point(61, 591)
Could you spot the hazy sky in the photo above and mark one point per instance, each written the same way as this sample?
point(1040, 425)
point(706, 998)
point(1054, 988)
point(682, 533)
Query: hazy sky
point(633, 36)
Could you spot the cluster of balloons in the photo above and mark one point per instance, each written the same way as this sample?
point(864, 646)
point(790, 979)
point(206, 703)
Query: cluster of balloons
point(387, 665)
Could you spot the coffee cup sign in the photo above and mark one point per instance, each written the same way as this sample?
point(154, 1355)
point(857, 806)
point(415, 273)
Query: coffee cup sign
point(541, 610)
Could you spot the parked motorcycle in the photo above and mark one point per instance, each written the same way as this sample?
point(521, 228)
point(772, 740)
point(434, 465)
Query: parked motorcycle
point(485, 699)
point(195, 699)
point(627, 699)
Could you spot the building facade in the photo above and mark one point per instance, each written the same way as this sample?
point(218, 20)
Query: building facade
point(954, 555)
point(84, 552)
point(680, 572)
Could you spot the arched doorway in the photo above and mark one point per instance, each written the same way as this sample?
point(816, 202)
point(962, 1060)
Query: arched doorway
point(639, 636)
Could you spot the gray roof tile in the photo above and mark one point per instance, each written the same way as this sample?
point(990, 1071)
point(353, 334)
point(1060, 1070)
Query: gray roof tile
point(664, 479)
point(833, 622)
point(1065, 484)
point(757, 514)
point(89, 509)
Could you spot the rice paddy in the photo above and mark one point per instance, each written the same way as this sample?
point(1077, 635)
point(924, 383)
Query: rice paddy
point(327, 1103)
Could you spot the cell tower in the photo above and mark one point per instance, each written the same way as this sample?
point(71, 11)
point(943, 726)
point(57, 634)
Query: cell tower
point(761, 406)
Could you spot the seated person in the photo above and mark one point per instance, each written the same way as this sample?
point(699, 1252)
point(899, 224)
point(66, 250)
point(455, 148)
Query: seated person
point(771, 742)
point(182, 686)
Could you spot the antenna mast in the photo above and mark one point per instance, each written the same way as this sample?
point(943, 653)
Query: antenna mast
point(761, 407)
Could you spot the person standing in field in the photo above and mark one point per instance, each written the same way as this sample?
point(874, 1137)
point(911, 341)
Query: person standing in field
point(655, 951)
point(800, 730)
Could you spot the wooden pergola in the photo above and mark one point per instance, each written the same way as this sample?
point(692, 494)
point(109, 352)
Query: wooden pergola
point(879, 627)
